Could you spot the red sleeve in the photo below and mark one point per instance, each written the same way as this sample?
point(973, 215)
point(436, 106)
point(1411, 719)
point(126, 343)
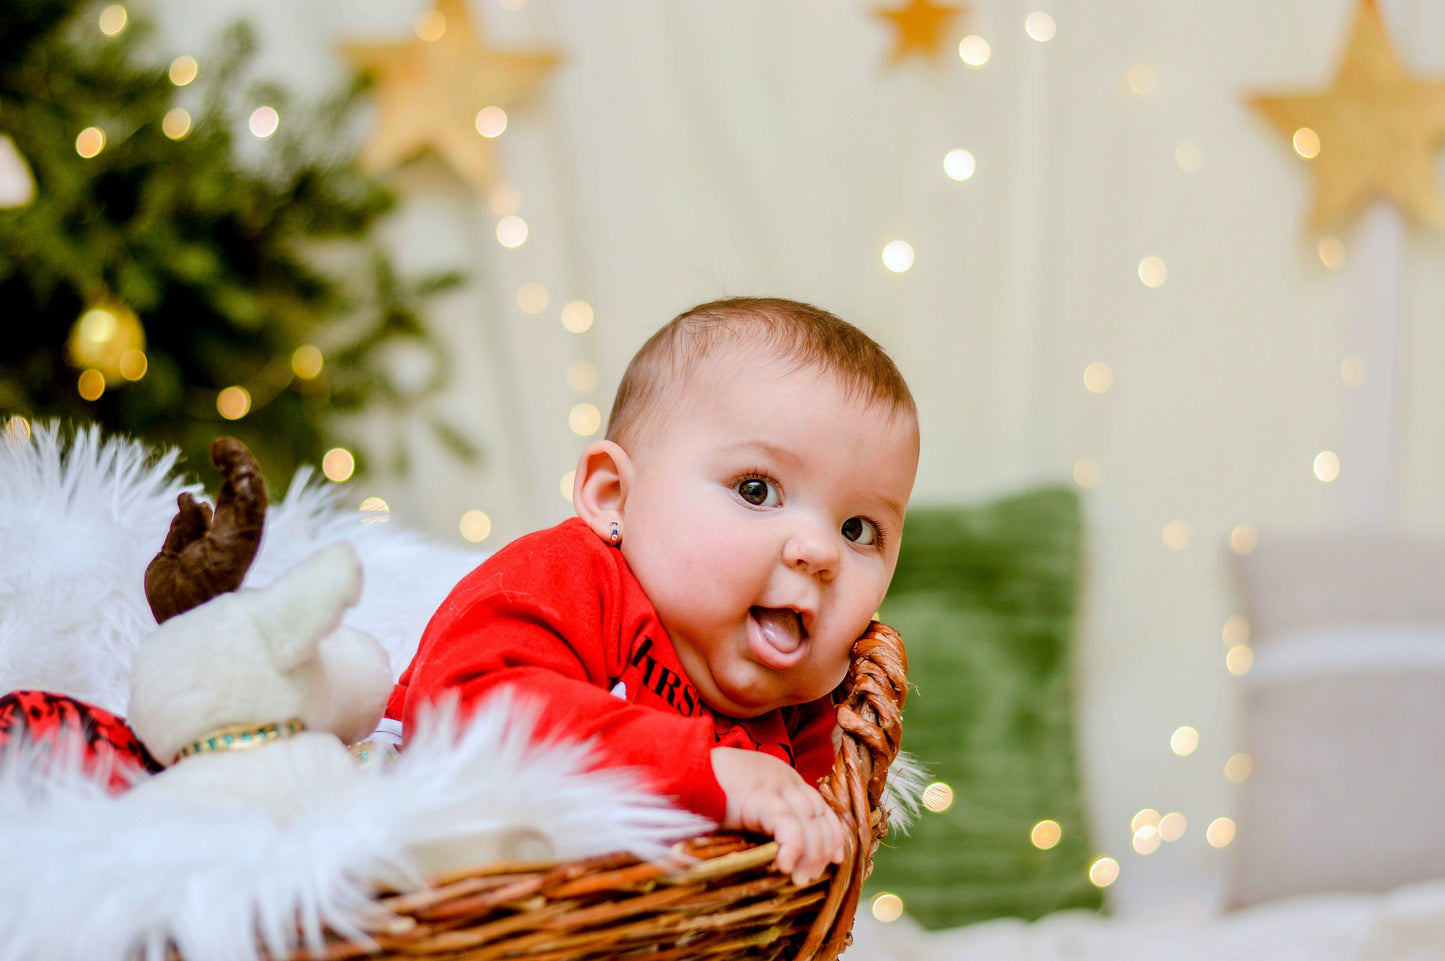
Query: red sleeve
point(810, 728)
point(534, 619)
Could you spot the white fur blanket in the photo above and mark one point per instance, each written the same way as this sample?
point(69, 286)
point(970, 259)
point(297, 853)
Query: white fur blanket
point(82, 516)
point(88, 875)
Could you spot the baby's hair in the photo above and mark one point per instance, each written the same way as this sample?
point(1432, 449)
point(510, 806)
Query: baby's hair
point(807, 336)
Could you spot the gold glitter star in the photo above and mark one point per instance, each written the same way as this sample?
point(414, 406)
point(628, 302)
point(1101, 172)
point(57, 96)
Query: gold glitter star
point(1378, 130)
point(429, 92)
point(920, 28)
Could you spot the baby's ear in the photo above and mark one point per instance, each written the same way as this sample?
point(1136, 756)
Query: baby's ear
point(599, 492)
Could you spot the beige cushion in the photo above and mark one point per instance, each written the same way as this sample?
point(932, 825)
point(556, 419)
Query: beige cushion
point(1296, 580)
point(1344, 716)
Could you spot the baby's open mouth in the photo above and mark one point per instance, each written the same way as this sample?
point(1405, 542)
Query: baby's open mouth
point(777, 640)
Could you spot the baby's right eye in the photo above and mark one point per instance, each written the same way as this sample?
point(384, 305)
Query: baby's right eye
point(757, 492)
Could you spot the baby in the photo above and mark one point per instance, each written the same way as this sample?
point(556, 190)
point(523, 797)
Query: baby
point(735, 532)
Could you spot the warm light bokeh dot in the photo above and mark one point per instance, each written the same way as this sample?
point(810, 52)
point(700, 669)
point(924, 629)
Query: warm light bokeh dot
point(1188, 156)
point(937, 797)
point(1239, 767)
point(491, 121)
point(1103, 872)
point(176, 124)
point(1177, 535)
point(233, 402)
point(1171, 826)
point(1239, 659)
point(1220, 832)
point(897, 255)
point(1236, 630)
point(584, 419)
point(532, 297)
point(90, 142)
point(511, 231)
point(1184, 740)
point(887, 907)
point(577, 316)
point(90, 384)
point(1352, 370)
point(1046, 834)
point(1146, 840)
point(431, 26)
point(1153, 272)
point(133, 364)
point(565, 486)
point(1332, 251)
point(374, 505)
point(113, 20)
point(974, 51)
point(17, 428)
point(1098, 377)
point(475, 526)
point(1040, 26)
point(959, 164)
point(338, 464)
point(581, 377)
point(1141, 79)
point(1306, 143)
point(1243, 539)
point(264, 122)
point(1088, 473)
point(307, 362)
point(184, 69)
point(1327, 466)
point(1146, 817)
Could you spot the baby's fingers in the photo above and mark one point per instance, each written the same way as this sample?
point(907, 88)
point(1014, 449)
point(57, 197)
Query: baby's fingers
point(822, 842)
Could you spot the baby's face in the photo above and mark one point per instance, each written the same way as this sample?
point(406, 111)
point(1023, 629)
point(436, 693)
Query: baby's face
point(763, 521)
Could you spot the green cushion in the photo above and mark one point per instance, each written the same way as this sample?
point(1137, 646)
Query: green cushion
point(984, 598)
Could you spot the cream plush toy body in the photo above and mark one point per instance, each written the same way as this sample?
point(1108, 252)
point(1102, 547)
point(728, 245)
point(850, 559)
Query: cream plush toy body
point(250, 696)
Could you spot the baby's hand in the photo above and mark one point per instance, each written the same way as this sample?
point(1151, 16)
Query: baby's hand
point(766, 795)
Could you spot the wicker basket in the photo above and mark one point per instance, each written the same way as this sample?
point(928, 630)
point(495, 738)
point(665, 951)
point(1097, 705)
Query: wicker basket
point(724, 901)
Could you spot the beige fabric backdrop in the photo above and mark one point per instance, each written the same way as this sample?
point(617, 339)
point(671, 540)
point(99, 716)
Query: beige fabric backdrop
point(687, 151)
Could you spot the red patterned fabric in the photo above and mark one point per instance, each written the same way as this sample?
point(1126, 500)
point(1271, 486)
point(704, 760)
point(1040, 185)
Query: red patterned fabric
point(107, 742)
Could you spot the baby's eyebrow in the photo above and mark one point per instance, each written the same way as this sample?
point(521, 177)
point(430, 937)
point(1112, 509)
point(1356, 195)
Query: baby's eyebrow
point(893, 507)
point(759, 448)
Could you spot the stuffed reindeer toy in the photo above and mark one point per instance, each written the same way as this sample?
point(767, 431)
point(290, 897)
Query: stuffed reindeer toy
point(251, 695)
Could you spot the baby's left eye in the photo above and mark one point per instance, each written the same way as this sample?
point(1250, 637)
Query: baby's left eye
point(860, 530)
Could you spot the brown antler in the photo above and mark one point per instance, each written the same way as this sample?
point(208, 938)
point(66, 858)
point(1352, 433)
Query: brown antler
point(204, 554)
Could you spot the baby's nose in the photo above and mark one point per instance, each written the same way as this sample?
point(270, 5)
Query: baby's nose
point(811, 550)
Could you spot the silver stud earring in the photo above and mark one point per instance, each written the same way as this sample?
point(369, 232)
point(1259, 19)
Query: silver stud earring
point(616, 535)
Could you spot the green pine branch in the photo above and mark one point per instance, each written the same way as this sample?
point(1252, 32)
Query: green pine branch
point(229, 266)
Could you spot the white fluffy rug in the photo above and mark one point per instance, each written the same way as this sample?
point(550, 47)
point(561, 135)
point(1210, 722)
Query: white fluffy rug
point(88, 875)
point(81, 516)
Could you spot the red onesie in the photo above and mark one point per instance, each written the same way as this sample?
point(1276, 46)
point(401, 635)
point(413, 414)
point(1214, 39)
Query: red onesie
point(558, 617)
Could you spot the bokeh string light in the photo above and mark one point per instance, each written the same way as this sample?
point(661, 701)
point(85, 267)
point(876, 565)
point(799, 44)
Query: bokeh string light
point(113, 20)
point(475, 526)
point(974, 51)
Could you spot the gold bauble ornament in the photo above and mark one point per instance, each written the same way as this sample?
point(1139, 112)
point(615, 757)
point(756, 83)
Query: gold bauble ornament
point(108, 337)
point(429, 93)
point(1377, 129)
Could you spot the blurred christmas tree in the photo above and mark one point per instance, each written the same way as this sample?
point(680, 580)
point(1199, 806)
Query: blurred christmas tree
point(161, 275)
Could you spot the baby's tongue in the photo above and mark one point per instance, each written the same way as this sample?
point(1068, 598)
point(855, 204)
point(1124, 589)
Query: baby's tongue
point(779, 627)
